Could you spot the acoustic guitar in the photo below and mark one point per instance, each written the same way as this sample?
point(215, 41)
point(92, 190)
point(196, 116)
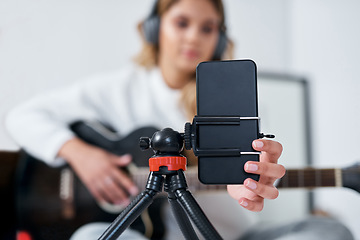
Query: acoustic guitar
point(52, 202)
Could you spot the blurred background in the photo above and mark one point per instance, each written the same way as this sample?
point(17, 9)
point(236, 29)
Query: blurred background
point(45, 45)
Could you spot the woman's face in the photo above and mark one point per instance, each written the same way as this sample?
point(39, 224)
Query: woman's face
point(189, 32)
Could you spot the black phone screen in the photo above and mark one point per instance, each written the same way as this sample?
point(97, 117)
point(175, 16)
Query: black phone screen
point(227, 89)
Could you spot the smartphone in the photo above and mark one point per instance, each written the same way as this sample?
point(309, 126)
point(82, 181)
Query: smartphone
point(227, 120)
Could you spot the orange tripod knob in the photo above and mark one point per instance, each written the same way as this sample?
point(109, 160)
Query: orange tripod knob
point(173, 163)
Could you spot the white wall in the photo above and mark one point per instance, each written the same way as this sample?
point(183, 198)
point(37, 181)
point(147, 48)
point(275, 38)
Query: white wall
point(325, 37)
point(47, 44)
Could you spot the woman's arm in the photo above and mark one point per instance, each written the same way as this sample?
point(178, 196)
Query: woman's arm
point(99, 171)
point(41, 127)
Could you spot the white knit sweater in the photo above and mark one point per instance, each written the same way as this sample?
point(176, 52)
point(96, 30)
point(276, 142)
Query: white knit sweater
point(126, 100)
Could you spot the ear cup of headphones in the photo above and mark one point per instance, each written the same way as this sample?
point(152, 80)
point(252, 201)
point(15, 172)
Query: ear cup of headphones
point(151, 29)
point(221, 45)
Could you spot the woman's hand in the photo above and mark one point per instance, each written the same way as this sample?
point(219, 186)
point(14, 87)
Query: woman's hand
point(251, 194)
point(99, 171)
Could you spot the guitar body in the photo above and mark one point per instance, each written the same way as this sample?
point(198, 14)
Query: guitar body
point(52, 202)
point(39, 206)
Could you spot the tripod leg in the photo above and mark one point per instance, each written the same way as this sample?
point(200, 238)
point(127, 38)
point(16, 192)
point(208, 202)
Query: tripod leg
point(128, 215)
point(181, 218)
point(177, 184)
point(196, 214)
point(135, 208)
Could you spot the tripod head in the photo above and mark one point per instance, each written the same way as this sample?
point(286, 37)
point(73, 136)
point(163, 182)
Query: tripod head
point(167, 145)
point(166, 142)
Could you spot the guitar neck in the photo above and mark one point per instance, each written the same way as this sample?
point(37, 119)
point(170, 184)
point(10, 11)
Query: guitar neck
point(294, 178)
point(311, 178)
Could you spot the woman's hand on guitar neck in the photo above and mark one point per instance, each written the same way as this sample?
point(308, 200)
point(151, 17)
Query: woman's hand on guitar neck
point(99, 171)
point(251, 194)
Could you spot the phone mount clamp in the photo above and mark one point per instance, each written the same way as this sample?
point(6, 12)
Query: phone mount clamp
point(192, 141)
point(167, 168)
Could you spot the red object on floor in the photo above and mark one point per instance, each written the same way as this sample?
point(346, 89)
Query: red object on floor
point(23, 235)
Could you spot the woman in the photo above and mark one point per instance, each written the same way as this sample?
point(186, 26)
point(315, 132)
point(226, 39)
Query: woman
point(158, 90)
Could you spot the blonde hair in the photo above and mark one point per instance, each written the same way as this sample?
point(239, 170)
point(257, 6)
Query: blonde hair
point(149, 54)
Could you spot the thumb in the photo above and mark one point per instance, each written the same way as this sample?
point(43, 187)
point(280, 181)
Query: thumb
point(123, 160)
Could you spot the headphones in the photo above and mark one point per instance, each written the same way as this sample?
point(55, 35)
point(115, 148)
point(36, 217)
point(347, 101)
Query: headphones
point(151, 27)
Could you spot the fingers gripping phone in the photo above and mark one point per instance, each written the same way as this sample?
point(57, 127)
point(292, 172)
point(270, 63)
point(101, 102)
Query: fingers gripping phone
point(227, 120)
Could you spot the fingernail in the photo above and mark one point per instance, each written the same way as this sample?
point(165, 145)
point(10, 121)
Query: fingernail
point(134, 191)
point(258, 144)
point(251, 185)
point(125, 158)
point(252, 167)
point(244, 203)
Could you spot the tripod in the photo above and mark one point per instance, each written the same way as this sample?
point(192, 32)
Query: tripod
point(167, 161)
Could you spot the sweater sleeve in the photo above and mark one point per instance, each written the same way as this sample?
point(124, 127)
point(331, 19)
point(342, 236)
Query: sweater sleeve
point(41, 125)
